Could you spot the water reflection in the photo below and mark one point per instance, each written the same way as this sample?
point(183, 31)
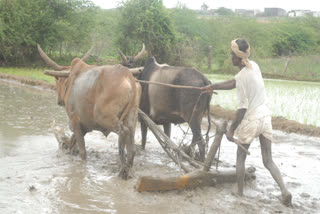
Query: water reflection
point(26, 110)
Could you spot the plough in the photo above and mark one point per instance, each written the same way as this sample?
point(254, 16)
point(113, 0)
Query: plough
point(200, 175)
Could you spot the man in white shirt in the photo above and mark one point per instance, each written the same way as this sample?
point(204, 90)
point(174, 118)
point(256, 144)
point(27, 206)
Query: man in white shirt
point(253, 117)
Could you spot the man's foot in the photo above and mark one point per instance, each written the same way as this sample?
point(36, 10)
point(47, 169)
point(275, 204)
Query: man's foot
point(235, 192)
point(287, 200)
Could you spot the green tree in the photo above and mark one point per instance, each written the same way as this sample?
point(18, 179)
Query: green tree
point(293, 39)
point(222, 11)
point(50, 23)
point(146, 21)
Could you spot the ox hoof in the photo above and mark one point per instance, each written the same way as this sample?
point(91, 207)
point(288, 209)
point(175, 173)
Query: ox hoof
point(125, 173)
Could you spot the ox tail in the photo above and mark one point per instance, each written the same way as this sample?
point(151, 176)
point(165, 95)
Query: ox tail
point(132, 101)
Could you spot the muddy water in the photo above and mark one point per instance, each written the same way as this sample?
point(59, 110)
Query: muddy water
point(35, 178)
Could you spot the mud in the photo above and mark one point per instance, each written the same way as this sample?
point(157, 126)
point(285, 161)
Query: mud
point(36, 178)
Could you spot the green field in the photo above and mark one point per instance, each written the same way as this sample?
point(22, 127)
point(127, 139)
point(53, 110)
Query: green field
point(294, 100)
point(28, 72)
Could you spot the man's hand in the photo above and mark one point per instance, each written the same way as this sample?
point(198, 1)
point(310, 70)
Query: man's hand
point(208, 88)
point(230, 135)
point(226, 85)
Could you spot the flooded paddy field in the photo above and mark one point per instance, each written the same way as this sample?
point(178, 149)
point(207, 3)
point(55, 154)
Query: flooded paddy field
point(294, 100)
point(36, 178)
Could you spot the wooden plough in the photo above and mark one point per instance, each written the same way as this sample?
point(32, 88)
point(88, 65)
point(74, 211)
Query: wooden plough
point(200, 176)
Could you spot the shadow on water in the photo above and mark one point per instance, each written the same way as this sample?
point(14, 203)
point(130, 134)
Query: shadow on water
point(35, 178)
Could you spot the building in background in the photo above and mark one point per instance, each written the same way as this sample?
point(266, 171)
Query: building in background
point(275, 12)
point(245, 12)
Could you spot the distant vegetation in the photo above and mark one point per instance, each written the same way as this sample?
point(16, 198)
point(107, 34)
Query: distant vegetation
point(179, 36)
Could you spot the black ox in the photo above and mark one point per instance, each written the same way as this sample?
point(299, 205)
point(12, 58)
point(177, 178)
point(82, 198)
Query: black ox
point(166, 105)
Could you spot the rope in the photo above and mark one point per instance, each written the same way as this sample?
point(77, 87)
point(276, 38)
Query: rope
point(175, 86)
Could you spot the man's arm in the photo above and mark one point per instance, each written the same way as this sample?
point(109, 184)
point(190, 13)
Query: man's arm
point(226, 85)
point(239, 116)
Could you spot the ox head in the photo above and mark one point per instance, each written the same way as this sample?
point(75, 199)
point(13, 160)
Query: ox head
point(61, 73)
point(130, 61)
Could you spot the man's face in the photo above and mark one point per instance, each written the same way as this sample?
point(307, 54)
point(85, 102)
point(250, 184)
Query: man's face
point(236, 61)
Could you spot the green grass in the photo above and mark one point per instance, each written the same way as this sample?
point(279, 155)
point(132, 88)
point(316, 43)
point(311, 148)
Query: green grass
point(294, 100)
point(299, 67)
point(305, 68)
point(28, 72)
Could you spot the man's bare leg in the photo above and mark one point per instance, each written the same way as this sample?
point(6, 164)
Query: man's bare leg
point(240, 167)
point(266, 152)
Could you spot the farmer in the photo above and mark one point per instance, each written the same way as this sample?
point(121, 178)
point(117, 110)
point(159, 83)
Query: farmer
point(253, 118)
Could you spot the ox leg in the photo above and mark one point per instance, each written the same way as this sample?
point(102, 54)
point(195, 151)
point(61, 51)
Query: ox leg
point(130, 147)
point(198, 139)
point(167, 129)
point(126, 140)
point(79, 135)
point(74, 150)
point(144, 131)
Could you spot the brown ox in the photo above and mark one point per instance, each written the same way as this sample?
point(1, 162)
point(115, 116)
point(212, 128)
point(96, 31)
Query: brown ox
point(103, 98)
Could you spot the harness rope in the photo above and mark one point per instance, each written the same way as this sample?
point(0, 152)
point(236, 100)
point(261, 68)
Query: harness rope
point(174, 86)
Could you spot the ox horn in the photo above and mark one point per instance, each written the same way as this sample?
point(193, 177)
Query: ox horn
point(136, 71)
point(49, 61)
point(88, 54)
point(57, 73)
point(123, 57)
point(141, 53)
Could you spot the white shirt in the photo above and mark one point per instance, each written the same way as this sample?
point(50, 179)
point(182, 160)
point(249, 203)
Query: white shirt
point(251, 92)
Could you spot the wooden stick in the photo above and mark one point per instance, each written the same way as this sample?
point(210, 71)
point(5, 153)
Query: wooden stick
point(191, 180)
point(240, 144)
point(173, 86)
point(220, 130)
point(167, 144)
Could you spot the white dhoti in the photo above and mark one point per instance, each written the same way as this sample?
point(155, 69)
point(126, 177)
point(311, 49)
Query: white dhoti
point(248, 130)
point(252, 97)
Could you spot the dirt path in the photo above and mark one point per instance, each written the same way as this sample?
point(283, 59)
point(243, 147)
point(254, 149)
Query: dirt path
point(279, 123)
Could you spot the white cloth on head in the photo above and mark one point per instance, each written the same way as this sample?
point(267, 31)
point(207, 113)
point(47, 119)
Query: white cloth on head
point(252, 96)
point(243, 55)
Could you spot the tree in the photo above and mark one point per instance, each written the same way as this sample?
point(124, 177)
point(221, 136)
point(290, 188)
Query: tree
point(146, 21)
point(291, 39)
point(50, 23)
point(222, 11)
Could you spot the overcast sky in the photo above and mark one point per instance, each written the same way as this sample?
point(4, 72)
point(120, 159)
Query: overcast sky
point(313, 5)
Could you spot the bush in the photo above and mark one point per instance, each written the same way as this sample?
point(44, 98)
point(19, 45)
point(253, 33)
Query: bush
point(294, 40)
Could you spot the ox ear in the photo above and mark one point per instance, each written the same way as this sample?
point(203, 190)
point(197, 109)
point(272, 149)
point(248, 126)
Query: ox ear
point(136, 71)
point(57, 73)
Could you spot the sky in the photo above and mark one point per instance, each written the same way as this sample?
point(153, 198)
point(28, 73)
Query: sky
point(313, 5)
